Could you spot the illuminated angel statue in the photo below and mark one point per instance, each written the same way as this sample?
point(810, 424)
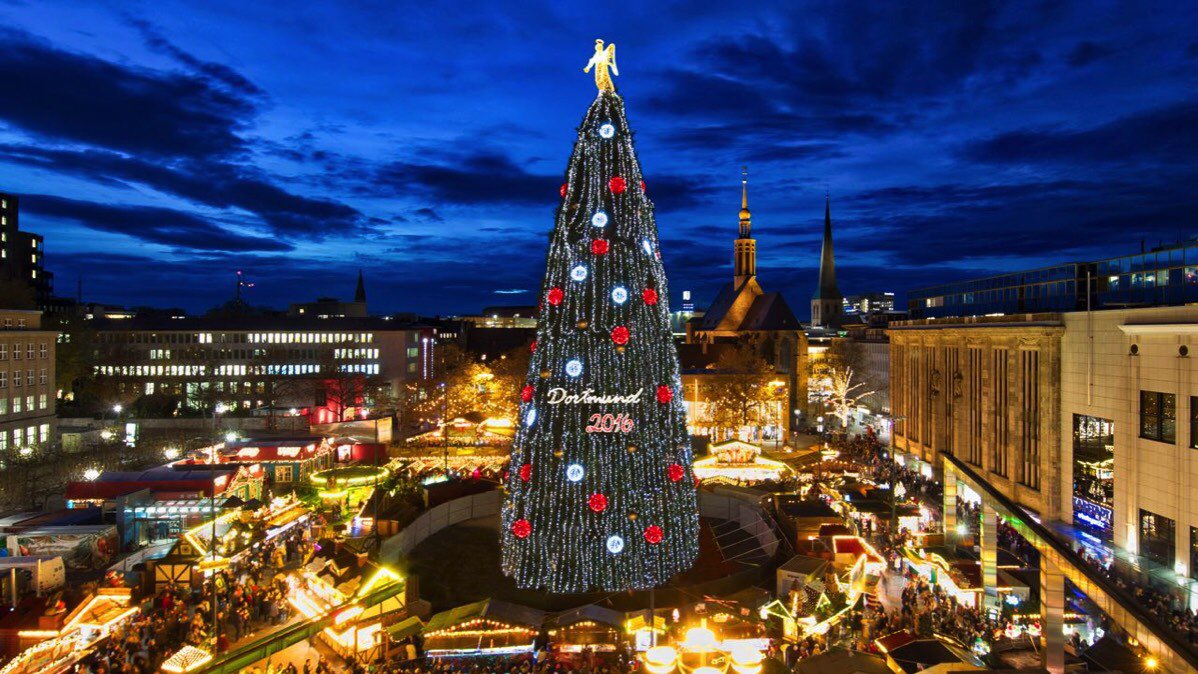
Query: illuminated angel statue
point(601, 61)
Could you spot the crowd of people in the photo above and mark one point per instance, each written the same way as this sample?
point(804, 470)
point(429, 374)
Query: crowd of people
point(1169, 609)
point(251, 594)
point(539, 663)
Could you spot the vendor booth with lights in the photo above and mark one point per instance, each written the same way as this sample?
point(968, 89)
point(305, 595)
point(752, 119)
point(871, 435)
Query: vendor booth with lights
point(487, 627)
point(587, 629)
point(736, 462)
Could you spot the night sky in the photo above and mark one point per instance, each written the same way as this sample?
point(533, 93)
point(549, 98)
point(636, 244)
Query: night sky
point(160, 146)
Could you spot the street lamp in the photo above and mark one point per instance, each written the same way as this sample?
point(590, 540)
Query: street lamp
point(91, 474)
point(171, 453)
point(116, 409)
point(26, 451)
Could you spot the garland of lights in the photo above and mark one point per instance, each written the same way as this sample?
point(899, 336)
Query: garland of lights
point(604, 496)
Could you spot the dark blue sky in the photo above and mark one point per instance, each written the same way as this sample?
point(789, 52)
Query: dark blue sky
point(162, 145)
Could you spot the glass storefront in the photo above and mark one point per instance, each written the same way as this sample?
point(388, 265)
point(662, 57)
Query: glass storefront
point(1094, 474)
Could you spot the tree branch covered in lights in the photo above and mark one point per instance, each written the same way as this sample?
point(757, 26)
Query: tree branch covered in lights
point(844, 393)
point(601, 493)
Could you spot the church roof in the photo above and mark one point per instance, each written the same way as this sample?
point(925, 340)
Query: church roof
point(720, 306)
point(770, 312)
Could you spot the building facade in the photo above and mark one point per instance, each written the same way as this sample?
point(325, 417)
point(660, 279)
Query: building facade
point(241, 360)
point(986, 390)
point(1085, 418)
point(1166, 275)
point(27, 393)
point(22, 254)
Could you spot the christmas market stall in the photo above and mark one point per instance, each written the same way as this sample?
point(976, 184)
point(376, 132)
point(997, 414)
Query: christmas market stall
point(487, 627)
point(90, 622)
point(586, 629)
point(736, 462)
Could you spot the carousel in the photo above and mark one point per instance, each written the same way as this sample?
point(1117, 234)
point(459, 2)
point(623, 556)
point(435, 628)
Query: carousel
point(736, 462)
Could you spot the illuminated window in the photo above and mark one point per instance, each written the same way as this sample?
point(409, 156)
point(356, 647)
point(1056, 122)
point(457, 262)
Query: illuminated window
point(1158, 416)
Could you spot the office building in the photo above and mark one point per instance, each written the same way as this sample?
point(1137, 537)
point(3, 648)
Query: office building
point(1166, 275)
point(255, 362)
point(22, 254)
point(869, 303)
point(27, 397)
point(331, 307)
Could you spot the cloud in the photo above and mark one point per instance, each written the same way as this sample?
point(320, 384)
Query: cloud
point(480, 178)
point(216, 184)
point(1160, 135)
point(1086, 52)
point(148, 223)
point(69, 96)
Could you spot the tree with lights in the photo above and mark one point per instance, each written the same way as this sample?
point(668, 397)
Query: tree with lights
point(600, 493)
point(845, 395)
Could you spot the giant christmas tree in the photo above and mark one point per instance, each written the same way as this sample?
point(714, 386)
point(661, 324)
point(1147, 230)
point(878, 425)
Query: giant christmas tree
point(600, 495)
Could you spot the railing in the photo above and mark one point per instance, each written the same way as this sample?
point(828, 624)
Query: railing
point(1045, 541)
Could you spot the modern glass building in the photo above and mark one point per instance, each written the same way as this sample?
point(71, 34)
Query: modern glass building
point(1162, 276)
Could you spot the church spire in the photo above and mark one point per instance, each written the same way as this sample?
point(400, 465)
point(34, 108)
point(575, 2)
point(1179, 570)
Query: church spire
point(360, 292)
point(744, 249)
point(827, 305)
point(745, 216)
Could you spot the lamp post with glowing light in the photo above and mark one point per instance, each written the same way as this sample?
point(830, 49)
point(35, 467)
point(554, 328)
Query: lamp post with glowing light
point(698, 646)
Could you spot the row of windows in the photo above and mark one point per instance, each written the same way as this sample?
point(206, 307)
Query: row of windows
point(236, 337)
point(31, 436)
point(20, 323)
point(32, 350)
point(26, 404)
point(40, 377)
point(358, 353)
point(228, 370)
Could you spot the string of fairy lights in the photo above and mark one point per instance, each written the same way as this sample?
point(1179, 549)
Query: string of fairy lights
point(601, 495)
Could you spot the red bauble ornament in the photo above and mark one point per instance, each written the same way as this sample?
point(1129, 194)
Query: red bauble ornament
point(563, 190)
point(650, 296)
point(643, 186)
point(654, 534)
point(555, 296)
point(521, 528)
point(617, 185)
point(533, 346)
point(526, 472)
point(599, 247)
point(664, 394)
point(619, 334)
point(526, 394)
point(597, 502)
point(675, 472)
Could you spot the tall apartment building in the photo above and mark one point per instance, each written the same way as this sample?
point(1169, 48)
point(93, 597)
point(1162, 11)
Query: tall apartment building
point(243, 357)
point(21, 253)
point(26, 382)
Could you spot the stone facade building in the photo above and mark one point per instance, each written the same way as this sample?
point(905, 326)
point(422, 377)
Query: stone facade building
point(1086, 419)
point(988, 391)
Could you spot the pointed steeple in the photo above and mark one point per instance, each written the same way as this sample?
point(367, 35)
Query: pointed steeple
point(745, 217)
point(827, 305)
point(744, 249)
point(828, 289)
point(360, 293)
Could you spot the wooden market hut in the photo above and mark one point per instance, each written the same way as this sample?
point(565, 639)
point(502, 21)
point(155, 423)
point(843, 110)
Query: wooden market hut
point(486, 626)
point(592, 627)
